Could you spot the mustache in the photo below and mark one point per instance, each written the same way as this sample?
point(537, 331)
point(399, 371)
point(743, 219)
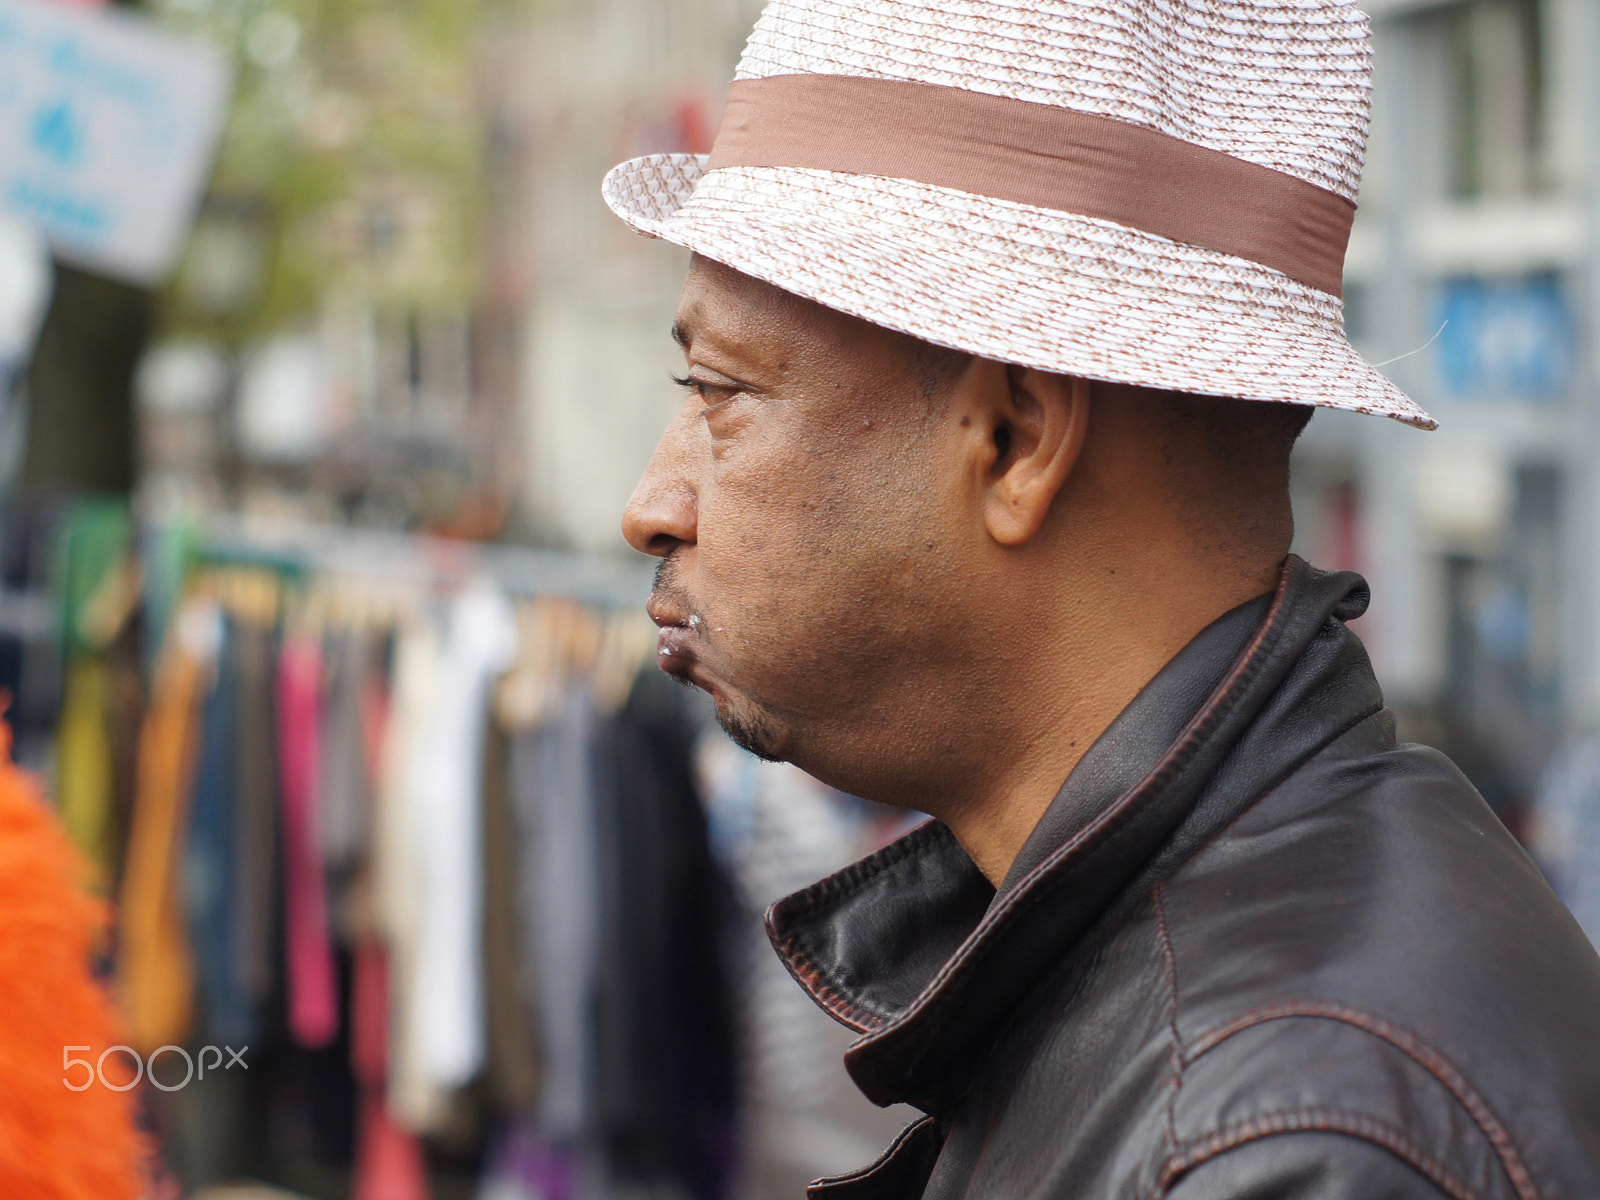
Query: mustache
point(667, 587)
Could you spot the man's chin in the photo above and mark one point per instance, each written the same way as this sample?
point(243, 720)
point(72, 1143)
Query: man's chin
point(746, 726)
point(750, 731)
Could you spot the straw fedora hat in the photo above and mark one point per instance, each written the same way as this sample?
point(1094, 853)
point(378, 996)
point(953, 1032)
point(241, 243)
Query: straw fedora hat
point(1154, 192)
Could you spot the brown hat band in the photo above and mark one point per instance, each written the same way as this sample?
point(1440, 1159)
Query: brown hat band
point(1040, 155)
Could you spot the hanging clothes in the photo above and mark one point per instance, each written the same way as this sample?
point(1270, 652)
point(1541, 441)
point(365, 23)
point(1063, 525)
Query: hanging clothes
point(209, 857)
point(255, 841)
point(523, 1165)
point(414, 1098)
point(308, 946)
point(344, 793)
point(776, 830)
point(123, 686)
point(552, 783)
point(447, 984)
point(389, 1160)
point(155, 964)
point(666, 1074)
point(97, 589)
point(84, 765)
point(512, 1069)
point(93, 543)
point(427, 900)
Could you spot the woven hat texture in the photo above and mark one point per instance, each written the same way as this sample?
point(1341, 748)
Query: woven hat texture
point(1280, 83)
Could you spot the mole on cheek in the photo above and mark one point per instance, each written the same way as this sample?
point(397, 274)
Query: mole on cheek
point(965, 421)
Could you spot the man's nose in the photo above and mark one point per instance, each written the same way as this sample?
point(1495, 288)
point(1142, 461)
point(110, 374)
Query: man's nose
point(662, 512)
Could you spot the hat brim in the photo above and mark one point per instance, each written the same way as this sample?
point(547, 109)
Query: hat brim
point(1007, 281)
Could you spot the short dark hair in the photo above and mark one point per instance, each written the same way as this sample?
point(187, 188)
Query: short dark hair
point(935, 367)
point(1229, 430)
point(1229, 472)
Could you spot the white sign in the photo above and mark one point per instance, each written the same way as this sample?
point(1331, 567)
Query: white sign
point(24, 289)
point(25, 284)
point(107, 129)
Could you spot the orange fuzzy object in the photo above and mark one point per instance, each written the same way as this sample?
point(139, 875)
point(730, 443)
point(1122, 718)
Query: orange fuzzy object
point(55, 1144)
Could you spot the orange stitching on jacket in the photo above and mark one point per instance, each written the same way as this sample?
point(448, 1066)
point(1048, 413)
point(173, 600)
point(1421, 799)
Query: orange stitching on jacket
point(796, 955)
point(809, 977)
point(1414, 1048)
point(1317, 1120)
point(1177, 1057)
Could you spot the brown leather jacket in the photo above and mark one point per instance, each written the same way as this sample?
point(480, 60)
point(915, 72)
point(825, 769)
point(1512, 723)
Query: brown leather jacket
point(1255, 949)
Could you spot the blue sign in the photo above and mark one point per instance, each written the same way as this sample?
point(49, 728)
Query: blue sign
point(107, 128)
point(1504, 340)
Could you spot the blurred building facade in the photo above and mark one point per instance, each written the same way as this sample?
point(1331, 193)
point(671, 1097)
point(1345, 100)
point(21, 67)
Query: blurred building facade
point(588, 85)
point(1471, 275)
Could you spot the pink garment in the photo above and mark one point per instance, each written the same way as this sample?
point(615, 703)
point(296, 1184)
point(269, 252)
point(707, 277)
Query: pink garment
point(389, 1163)
point(308, 948)
point(369, 1016)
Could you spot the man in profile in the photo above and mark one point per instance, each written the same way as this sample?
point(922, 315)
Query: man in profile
point(1002, 322)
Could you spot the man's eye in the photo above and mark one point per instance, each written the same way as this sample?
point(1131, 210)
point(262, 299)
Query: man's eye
point(711, 393)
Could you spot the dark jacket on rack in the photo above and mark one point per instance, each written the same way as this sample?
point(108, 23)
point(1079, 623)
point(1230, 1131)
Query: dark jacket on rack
point(1254, 949)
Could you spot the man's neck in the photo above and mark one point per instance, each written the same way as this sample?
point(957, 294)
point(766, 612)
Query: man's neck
point(1084, 673)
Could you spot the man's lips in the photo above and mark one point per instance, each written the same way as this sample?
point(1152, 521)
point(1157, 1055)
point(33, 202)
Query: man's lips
point(664, 613)
point(674, 649)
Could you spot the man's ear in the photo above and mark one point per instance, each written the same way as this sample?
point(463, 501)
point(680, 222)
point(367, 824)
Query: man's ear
point(1037, 423)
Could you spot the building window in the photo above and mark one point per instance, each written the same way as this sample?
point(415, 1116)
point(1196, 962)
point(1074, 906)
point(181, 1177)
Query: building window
point(1506, 341)
point(1478, 67)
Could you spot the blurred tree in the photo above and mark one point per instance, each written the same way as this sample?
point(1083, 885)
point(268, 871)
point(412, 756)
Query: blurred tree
point(350, 166)
point(346, 220)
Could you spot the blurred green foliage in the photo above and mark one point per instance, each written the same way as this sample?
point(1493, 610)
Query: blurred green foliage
point(351, 164)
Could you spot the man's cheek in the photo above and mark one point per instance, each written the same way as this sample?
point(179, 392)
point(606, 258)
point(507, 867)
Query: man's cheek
point(745, 566)
point(766, 526)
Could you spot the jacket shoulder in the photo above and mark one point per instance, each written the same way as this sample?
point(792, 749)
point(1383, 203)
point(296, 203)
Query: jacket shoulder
point(1367, 953)
point(1360, 1084)
point(1307, 1165)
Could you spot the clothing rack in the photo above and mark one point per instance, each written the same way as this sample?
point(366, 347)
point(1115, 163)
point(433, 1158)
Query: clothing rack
point(456, 827)
point(421, 559)
point(563, 793)
point(425, 560)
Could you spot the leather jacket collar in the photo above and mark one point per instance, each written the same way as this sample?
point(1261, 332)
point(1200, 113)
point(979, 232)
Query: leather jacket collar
point(914, 949)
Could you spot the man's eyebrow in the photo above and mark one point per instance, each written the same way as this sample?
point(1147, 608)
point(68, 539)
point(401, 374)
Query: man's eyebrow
point(680, 334)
